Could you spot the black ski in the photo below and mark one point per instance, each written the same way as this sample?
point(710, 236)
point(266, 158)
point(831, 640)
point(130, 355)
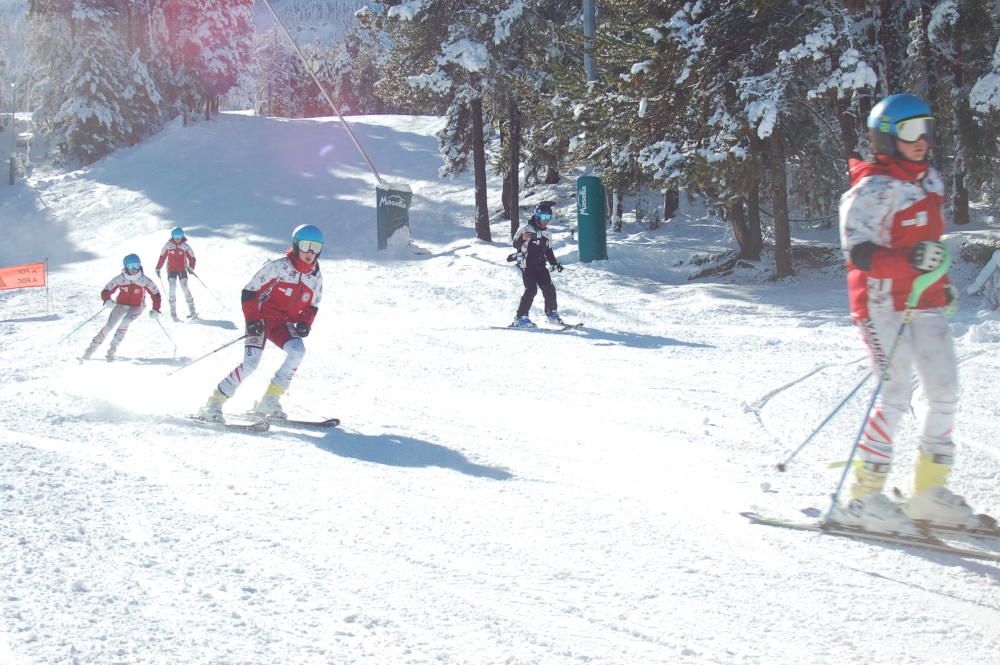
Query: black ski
point(927, 542)
point(259, 426)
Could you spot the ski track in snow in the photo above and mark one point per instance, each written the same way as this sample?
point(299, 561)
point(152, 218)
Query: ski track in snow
point(492, 496)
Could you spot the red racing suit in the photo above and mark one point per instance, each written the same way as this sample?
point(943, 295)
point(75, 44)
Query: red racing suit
point(178, 255)
point(132, 290)
point(285, 290)
point(893, 204)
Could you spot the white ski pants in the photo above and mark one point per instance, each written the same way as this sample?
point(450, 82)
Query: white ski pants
point(925, 346)
point(125, 314)
point(295, 351)
point(172, 279)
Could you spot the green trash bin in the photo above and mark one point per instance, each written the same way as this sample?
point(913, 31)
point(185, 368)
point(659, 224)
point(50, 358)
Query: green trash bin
point(591, 222)
point(392, 212)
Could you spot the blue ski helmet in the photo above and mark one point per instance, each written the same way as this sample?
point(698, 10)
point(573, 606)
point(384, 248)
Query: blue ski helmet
point(307, 238)
point(132, 264)
point(899, 116)
point(177, 233)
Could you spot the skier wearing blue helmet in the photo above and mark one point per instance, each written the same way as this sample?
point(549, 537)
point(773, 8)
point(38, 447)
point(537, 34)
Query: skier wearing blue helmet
point(533, 243)
point(180, 260)
point(125, 296)
point(280, 303)
point(891, 224)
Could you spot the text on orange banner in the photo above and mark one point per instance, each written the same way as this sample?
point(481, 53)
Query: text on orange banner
point(22, 276)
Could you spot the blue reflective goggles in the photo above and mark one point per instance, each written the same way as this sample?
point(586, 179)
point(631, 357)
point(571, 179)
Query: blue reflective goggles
point(133, 266)
point(909, 131)
point(544, 216)
point(310, 246)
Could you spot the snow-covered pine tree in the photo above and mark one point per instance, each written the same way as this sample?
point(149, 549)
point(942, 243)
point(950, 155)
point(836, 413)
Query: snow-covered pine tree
point(91, 118)
point(957, 40)
point(439, 55)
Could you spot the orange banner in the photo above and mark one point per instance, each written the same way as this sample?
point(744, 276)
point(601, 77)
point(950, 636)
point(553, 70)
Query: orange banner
point(22, 277)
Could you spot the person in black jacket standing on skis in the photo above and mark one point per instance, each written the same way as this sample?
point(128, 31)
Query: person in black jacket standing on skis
point(533, 243)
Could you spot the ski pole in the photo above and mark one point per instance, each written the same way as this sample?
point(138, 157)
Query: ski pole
point(171, 339)
point(207, 355)
point(73, 331)
point(783, 466)
point(920, 284)
point(208, 289)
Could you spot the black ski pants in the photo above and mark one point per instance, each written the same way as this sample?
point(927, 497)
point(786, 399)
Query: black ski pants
point(535, 278)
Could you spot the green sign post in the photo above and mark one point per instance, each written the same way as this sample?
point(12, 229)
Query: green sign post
point(591, 222)
point(392, 210)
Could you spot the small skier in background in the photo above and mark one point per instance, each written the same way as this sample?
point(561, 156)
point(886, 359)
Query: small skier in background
point(533, 243)
point(891, 222)
point(179, 257)
point(131, 287)
point(279, 304)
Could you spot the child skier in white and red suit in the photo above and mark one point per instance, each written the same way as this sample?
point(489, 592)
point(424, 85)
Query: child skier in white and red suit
point(125, 296)
point(179, 257)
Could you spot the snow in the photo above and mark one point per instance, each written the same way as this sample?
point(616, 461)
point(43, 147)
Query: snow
point(493, 495)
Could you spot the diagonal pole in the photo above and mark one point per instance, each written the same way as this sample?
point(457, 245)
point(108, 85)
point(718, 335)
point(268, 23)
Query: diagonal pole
point(357, 144)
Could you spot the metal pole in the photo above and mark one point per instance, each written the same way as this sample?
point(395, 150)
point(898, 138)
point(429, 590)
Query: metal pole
point(322, 89)
point(589, 27)
point(13, 107)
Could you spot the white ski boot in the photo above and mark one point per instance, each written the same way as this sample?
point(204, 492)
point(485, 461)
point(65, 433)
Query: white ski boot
point(269, 406)
point(941, 506)
point(212, 411)
point(875, 512)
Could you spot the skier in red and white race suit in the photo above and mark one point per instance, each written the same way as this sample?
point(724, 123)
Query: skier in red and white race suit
point(280, 303)
point(891, 222)
point(131, 287)
point(180, 260)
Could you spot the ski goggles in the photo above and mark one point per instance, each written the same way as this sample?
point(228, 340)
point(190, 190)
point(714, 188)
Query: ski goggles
point(911, 129)
point(544, 216)
point(313, 246)
point(134, 267)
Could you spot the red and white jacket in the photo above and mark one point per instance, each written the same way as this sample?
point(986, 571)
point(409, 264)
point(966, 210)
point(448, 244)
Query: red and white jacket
point(894, 204)
point(178, 255)
point(131, 290)
point(286, 289)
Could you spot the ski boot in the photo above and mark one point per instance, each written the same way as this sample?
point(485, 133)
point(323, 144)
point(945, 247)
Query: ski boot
point(940, 506)
point(89, 352)
point(212, 411)
point(875, 512)
point(523, 322)
point(269, 406)
point(554, 319)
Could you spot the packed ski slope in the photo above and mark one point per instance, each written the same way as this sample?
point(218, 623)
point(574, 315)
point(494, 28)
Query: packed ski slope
point(493, 496)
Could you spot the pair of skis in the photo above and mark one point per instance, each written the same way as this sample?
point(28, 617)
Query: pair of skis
point(252, 423)
point(988, 536)
point(559, 327)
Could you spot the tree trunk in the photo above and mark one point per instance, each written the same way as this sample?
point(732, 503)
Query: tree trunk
point(671, 202)
point(779, 197)
point(753, 222)
point(515, 164)
point(479, 169)
point(738, 220)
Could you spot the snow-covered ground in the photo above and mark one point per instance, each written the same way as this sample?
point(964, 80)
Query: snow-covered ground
point(493, 496)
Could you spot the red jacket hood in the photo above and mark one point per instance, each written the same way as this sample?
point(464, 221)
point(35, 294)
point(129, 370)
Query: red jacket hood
point(893, 167)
